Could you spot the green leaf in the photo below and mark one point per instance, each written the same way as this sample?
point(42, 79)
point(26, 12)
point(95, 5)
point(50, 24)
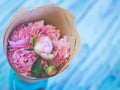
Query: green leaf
point(36, 68)
point(33, 41)
point(29, 49)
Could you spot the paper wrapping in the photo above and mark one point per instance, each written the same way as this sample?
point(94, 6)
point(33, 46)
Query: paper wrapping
point(51, 14)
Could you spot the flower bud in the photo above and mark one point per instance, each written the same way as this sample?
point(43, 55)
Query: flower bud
point(51, 70)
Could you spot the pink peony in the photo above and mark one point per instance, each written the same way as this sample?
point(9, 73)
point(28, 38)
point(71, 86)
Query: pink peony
point(48, 45)
point(19, 43)
point(61, 51)
point(43, 47)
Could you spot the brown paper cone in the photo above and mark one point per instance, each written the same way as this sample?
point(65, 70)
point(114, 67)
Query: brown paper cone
point(51, 14)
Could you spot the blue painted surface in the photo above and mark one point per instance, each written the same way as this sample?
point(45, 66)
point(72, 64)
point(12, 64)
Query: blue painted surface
point(95, 67)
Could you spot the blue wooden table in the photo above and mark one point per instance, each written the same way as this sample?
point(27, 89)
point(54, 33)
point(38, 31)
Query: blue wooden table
point(95, 67)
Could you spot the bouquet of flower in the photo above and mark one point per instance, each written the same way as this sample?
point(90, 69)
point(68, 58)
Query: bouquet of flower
point(40, 43)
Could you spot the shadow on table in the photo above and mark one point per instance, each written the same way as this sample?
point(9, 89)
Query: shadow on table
point(16, 84)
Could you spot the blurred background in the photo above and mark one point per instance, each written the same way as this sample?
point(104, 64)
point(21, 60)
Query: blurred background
point(95, 67)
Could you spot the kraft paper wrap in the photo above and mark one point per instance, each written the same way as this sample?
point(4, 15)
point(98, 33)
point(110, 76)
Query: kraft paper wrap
point(51, 14)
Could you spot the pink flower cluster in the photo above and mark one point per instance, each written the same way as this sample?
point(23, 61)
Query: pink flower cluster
point(22, 59)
